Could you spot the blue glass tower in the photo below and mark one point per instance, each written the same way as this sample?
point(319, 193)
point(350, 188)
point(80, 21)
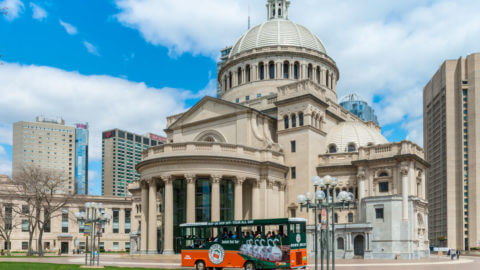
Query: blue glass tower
point(81, 159)
point(358, 106)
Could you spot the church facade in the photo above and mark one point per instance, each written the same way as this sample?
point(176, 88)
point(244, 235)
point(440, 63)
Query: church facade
point(275, 124)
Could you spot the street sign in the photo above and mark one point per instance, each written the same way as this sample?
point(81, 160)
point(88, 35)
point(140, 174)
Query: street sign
point(87, 228)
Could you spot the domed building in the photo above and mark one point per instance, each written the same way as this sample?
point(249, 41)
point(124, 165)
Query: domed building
point(250, 152)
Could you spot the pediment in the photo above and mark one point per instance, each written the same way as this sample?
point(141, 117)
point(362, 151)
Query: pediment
point(207, 108)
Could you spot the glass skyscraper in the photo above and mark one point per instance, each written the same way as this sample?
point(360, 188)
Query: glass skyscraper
point(81, 158)
point(358, 106)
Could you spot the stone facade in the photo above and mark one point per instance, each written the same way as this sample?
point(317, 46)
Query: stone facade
point(250, 158)
point(115, 237)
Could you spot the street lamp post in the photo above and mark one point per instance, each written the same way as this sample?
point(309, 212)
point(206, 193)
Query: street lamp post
point(344, 198)
point(93, 216)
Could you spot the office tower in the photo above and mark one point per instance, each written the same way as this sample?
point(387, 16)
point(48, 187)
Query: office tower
point(358, 106)
point(48, 144)
point(81, 159)
point(452, 139)
point(121, 151)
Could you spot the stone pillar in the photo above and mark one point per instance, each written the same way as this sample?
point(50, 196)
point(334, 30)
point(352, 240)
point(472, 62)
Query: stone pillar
point(281, 199)
point(144, 216)
point(152, 216)
point(361, 184)
point(239, 197)
point(190, 179)
point(269, 210)
point(423, 186)
point(215, 197)
point(404, 172)
point(256, 206)
point(168, 232)
point(290, 74)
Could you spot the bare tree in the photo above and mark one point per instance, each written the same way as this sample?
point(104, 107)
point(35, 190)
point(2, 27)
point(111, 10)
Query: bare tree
point(9, 221)
point(45, 193)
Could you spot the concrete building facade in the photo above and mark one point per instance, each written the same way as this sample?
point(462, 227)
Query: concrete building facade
point(277, 123)
point(64, 233)
point(121, 151)
point(452, 137)
point(47, 144)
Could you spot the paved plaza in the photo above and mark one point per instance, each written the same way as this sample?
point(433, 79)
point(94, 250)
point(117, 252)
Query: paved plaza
point(173, 262)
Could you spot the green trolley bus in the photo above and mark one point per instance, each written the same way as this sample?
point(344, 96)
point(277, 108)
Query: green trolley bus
point(249, 244)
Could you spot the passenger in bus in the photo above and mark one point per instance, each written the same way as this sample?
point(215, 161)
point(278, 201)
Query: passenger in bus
point(202, 244)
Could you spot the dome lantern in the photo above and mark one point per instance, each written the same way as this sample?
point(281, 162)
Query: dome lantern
point(277, 9)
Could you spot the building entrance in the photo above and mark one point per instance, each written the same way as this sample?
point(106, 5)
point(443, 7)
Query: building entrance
point(359, 245)
point(64, 247)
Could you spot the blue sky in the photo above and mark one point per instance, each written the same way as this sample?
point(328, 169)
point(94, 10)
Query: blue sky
point(131, 63)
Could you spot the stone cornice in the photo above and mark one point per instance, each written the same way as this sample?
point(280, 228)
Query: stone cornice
point(291, 130)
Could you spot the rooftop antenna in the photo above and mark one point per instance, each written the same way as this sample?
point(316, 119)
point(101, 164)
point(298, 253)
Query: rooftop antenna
point(248, 17)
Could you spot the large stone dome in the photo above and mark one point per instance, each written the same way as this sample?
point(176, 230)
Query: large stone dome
point(278, 32)
point(353, 133)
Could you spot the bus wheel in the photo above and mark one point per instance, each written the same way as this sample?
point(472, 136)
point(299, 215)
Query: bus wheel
point(249, 266)
point(200, 265)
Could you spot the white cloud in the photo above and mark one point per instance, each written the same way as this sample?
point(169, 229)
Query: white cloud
point(38, 12)
point(91, 48)
point(13, 8)
point(5, 162)
point(71, 30)
point(382, 48)
point(104, 102)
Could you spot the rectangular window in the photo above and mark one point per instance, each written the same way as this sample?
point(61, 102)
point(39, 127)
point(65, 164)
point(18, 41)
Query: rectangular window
point(259, 95)
point(127, 246)
point(25, 225)
point(293, 213)
point(379, 213)
point(127, 220)
point(237, 100)
point(115, 245)
point(383, 186)
point(293, 146)
point(115, 220)
point(24, 245)
point(65, 220)
point(247, 98)
point(25, 209)
point(46, 226)
point(293, 172)
point(101, 246)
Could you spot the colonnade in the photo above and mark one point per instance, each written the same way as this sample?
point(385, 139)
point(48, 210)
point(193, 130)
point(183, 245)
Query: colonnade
point(267, 201)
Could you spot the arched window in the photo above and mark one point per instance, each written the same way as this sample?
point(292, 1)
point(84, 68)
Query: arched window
point(261, 71)
point(209, 139)
point(318, 75)
point(296, 68)
point(230, 80)
point(271, 70)
point(326, 79)
point(352, 147)
point(300, 119)
point(337, 191)
point(335, 218)
point(294, 120)
point(285, 121)
point(286, 70)
point(225, 86)
point(332, 148)
point(310, 72)
point(383, 174)
point(279, 12)
point(247, 73)
point(350, 217)
point(239, 76)
point(340, 243)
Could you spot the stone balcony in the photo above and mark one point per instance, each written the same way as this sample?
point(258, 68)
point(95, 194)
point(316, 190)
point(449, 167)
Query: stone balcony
point(192, 149)
point(374, 152)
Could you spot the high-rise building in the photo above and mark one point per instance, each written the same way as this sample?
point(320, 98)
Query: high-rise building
point(358, 106)
point(81, 159)
point(451, 137)
point(47, 144)
point(121, 151)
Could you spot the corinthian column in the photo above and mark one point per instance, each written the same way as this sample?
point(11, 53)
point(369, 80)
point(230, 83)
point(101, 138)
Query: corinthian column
point(215, 197)
point(404, 172)
point(256, 206)
point(190, 178)
point(239, 198)
point(144, 217)
point(152, 216)
point(168, 232)
point(281, 199)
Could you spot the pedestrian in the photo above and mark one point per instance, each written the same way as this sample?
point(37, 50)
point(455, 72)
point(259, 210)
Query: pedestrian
point(458, 254)
point(452, 254)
